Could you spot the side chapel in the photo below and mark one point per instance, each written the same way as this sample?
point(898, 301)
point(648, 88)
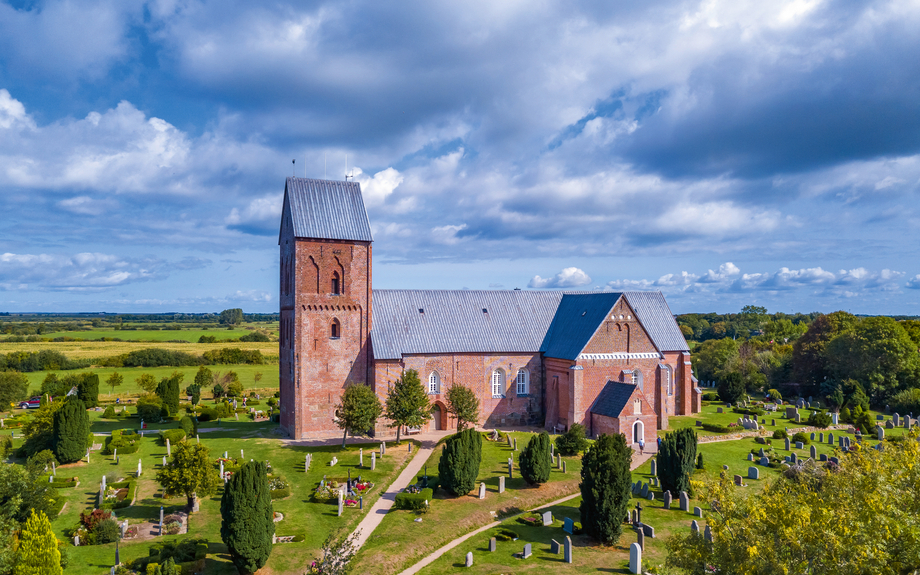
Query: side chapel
point(613, 362)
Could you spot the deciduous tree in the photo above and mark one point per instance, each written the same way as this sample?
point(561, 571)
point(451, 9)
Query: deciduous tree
point(114, 380)
point(146, 382)
point(247, 519)
point(605, 484)
point(358, 411)
point(407, 403)
point(463, 404)
point(190, 472)
point(14, 387)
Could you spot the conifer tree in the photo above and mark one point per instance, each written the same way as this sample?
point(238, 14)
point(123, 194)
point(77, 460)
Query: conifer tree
point(407, 403)
point(459, 463)
point(677, 460)
point(38, 548)
point(168, 392)
point(88, 389)
point(536, 460)
point(605, 483)
point(247, 524)
point(70, 429)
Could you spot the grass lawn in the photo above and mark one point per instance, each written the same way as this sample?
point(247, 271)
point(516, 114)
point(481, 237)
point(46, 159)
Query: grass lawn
point(399, 541)
point(259, 441)
point(129, 388)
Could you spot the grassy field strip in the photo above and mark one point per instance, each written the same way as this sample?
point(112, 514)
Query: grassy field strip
point(98, 349)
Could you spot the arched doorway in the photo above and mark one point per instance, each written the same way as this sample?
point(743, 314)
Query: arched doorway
point(436, 414)
point(638, 432)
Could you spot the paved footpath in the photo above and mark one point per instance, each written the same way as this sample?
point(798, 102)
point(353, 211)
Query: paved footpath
point(637, 461)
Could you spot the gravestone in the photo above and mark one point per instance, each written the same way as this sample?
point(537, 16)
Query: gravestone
point(762, 452)
point(508, 437)
point(196, 439)
point(650, 496)
point(469, 559)
point(640, 538)
point(699, 423)
point(373, 460)
point(667, 499)
point(773, 422)
point(707, 534)
point(834, 460)
point(381, 449)
point(694, 526)
point(164, 461)
point(880, 433)
point(698, 511)
point(161, 520)
point(510, 470)
point(753, 473)
point(835, 418)
point(547, 518)
point(410, 447)
point(812, 435)
point(341, 503)
point(53, 469)
point(725, 467)
point(527, 552)
point(823, 457)
point(361, 457)
point(791, 412)
point(889, 424)
point(648, 530)
point(221, 468)
point(879, 418)
point(738, 481)
point(225, 455)
point(654, 467)
point(764, 461)
point(554, 547)
point(787, 444)
point(645, 490)
point(568, 526)
point(799, 445)
point(482, 490)
point(793, 458)
point(563, 466)
point(830, 438)
point(501, 483)
point(719, 410)
point(896, 419)
point(798, 418)
point(552, 450)
point(492, 544)
point(813, 452)
point(515, 443)
point(821, 437)
point(139, 468)
point(635, 558)
point(750, 456)
point(684, 501)
point(168, 448)
point(567, 549)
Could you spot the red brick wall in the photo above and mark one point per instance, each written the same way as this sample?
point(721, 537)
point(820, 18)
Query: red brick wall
point(324, 365)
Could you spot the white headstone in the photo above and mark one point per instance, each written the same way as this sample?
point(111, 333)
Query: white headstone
point(373, 460)
point(168, 449)
point(361, 457)
point(635, 558)
point(501, 483)
point(469, 559)
point(139, 468)
point(482, 490)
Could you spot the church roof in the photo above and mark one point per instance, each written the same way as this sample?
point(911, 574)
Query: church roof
point(459, 321)
point(612, 399)
point(453, 321)
point(575, 322)
point(327, 209)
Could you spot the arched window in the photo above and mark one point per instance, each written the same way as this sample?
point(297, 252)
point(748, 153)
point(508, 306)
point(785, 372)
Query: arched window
point(666, 376)
point(335, 331)
point(498, 383)
point(434, 383)
point(636, 378)
point(523, 382)
point(335, 283)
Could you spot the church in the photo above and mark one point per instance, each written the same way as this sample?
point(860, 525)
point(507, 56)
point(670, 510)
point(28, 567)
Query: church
point(613, 362)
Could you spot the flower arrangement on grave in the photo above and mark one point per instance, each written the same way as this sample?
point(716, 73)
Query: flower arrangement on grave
point(314, 569)
point(363, 487)
point(351, 503)
point(531, 519)
point(327, 491)
point(730, 425)
point(131, 532)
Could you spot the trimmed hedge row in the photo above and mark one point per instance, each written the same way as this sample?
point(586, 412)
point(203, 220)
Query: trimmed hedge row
point(413, 501)
point(715, 427)
point(125, 440)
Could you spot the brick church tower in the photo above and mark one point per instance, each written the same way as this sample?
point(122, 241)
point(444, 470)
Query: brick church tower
point(325, 243)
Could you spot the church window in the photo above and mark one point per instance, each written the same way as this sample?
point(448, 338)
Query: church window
point(434, 382)
point(335, 283)
point(666, 374)
point(523, 382)
point(636, 378)
point(498, 383)
point(335, 331)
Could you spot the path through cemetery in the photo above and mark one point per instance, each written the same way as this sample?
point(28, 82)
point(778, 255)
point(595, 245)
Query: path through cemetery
point(637, 461)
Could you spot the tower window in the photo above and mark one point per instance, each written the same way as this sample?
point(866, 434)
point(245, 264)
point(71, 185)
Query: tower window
point(336, 283)
point(335, 331)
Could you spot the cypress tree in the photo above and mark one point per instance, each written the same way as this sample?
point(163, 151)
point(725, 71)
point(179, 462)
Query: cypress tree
point(677, 460)
point(458, 467)
point(247, 524)
point(605, 484)
point(168, 392)
point(38, 548)
point(535, 460)
point(88, 389)
point(70, 428)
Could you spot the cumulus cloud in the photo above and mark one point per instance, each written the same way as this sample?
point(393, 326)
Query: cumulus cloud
point(87, 206)
point(376, 189)
point(914, 282)
point(567, 278)
point(262, 216)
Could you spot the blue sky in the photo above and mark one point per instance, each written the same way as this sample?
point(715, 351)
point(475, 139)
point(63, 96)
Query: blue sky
point(724, 152)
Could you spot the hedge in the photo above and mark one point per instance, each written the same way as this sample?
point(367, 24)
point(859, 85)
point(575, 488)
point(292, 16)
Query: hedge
point(125, 440)
point(63, 482)
point(126, 502)
point(715, 427)
point(173, 435)
point(748, 411)
point(413, 501)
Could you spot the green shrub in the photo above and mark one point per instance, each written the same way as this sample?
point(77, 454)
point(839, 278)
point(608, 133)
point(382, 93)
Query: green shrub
point(535, 460)
point(503, 534)
point(413, 501)
point(207, 414)
point(699, 461)
point(458, 467)
point(233, 356)
point(188, 425)
point(6, 446)
point(715, 427)
point(710, 396)
point(109, 413)
point(207, 339)
point(906, 401)
point(173, 435)
point(801, 437)
point(780, 434)
point(149, 408)
point(255, 336)
point(573, 441)
point(676, 460)
point(749, 411)
point(124, 440)
point(819, 419)
point(106, 531)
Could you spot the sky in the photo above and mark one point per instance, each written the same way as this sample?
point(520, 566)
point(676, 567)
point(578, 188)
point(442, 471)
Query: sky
point(724, 152)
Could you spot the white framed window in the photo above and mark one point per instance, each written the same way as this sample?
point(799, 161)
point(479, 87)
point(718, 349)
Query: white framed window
point(523, 382)
point(498, 383)
point(434, 382)
point(636, 378)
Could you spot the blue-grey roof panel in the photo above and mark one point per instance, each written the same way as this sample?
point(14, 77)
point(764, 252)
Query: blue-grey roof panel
point(612, 399)
point(327, 209)
point(453, 321)
point(576, 321)
point(653, 312)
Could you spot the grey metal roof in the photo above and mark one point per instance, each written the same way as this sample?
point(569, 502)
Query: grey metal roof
point(575, 322)
point(327, 209)
point(453, 321)
point(653, 312)
point(612, 399)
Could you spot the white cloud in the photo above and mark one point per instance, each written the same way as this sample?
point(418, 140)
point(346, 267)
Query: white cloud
point(78, 272)
point(726, 270)
point(567, 278)
point(262, 215)
point(87, 206)
point(376, 189)
point(914, 282)
point(447, 235)
point(716, 219)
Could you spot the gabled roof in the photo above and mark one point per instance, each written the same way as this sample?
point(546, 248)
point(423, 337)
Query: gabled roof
point(453, 321)
point(612, 399)
point(326, 209)
point(577, 319)
point(652, 310)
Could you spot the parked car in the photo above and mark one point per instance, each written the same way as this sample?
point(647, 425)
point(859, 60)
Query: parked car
point(32, 403)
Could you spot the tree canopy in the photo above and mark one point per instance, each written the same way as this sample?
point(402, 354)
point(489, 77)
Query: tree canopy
point(189, 472)
point(458, 467)
point(232, 316)
point(38, 548)
point(535, 460)
point(247, 518)
point(463, 404)
point(14, 387)
point(358, 411)
point(71, 428)
point(605, 485)
point(407, 403)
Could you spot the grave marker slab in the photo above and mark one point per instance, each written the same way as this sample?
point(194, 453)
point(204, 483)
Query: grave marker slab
point(707, 534)
point(501, 483)
point(694, 526)
point(698, 511)
point(547, 518)
point(527, 551)
point(648, 530)
point(635, 558)
point(492, 544)
point(567, 549)
point(684, 501)
point(554, 547)
point(469, 559)
point(738, 481)
point(667, 499)
point(568, 526)
point(753, 473)
point(482, 490)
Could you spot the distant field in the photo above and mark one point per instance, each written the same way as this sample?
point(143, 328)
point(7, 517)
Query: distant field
point(94, 349)
point(188, 334)
point(129, 387)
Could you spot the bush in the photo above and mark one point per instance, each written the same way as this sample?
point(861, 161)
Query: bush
point(6, 446)
point(780, 434)
point(906, 401)
point(156, 357)
point(207, 339)
point(535, 460)
point(149, 408)
point(124, 440)
point(676, 460)
point(109, 413)
point(573, 441)
point(106, 531)
point(819, 419)
point(207, 414)
point(749, 411)
point(413, 501)
point(234, 355)
point(801, 437)
point(458, 467)
point(503, 534)
point(255, 336)
point(715, 427)
point(710, 396)
point(699, 461)
point(173, 435)
point(187, 424)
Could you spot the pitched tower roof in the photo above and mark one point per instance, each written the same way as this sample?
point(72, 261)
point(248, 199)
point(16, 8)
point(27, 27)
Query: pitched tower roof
point(326, 209)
